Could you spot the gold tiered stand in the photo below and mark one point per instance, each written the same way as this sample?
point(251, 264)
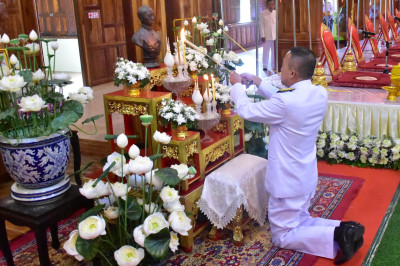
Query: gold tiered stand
point(395, 79)
point(349, 64)
point(319, 77)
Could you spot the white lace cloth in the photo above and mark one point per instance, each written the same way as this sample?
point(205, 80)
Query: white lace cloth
point(240, 181)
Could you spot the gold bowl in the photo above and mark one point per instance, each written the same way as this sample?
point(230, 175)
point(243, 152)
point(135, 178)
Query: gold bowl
point(392, 92)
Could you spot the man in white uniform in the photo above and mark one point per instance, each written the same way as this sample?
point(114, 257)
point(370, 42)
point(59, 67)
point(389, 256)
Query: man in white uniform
point(268, 34)
point(295, 115)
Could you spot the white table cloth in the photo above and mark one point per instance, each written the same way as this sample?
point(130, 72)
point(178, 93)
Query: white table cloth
point(239, 181)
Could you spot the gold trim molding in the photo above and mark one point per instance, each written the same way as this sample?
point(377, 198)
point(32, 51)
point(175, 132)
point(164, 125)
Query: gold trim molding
point(127, 108)
point(237, 124)
point(217, 153)
point(171, 152)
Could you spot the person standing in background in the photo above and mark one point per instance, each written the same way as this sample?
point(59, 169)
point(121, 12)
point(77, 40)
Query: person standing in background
point(268, 35)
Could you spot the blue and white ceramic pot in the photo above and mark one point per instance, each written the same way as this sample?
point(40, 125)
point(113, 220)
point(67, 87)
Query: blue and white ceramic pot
point(37, 165)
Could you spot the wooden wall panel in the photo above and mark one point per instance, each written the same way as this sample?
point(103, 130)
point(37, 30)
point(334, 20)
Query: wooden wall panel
point(56, 18)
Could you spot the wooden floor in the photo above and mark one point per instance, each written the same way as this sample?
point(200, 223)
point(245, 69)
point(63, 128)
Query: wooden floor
point(90, 151)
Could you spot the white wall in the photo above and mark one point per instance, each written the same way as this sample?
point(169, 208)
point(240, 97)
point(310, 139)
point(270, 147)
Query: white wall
point(67, 56)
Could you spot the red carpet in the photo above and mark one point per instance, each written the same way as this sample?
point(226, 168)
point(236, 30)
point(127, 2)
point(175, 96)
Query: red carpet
point(369, 206)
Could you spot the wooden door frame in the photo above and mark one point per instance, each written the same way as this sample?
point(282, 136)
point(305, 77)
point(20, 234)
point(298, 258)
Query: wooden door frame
point(81, 40)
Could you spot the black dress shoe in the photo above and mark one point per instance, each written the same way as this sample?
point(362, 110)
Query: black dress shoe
point(265, 69)
point(350, 239)
point(359, 242)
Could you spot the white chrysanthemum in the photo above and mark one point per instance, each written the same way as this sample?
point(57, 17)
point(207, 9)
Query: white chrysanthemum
point(323, 135)
point(122, 140)
point(169, 195)
point(111, 212)
point(163, 138)
point(70, 245)
point(140, 165)
point(363, 158)
point(154, 223)
point(174, 242)
point(350, 156)
point(364, 150)
point(32, 103)
point(352, 145)
point(179, 222)
point(139, 235)
point(386, 143)
point(335, 137)
point(174, 206)
point(396, 149)
point(182, 169)
point(92, 227)
point(91, 192)
point(156, 181)
point(119, 189)
point(320, 153)
point(117, 158)
point(128, 256)
point(12, 83)
point(38, 75)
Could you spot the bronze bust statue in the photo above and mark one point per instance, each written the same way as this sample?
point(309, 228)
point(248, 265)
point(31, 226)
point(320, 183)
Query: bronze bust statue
point(147, 38)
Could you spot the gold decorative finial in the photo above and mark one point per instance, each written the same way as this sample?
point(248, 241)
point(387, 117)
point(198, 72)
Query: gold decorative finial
point(349, 64)
point(319, 77)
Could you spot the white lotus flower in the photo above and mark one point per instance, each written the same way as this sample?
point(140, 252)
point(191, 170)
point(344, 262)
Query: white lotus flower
point(217, 58)
point(30, 46)
point(122, 140)
point(92, 227)
point(136, 181)
point(140, 165)
point(128, 255)
point(169, 195)
point(91, 192)
point(70, 245)
point(205, 31)
point(134, 151)
point(13, 59)
point(79, 97)
point(182, 169)
point(154, 223)
point(194, 20)
point(114, 157)
point(226, 28)
point(210, 42)
point(5, 38)
point(186, 22)
point(33, 36)
point(62, 76)
point(174, 242)
point(156, 181)
point(32, 103)
point(163, 138)
point(122, 171)
point(12, 83)
point(111, 213)
point(119, 189)
point(174, 206)
point(139, 235)
point(87, 91)
point(38, 75)
point(54, 45)
point(179, 222)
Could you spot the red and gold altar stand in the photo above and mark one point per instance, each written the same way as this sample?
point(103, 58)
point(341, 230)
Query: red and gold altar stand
point(360, 79)
point(131, 108)
point(375, 64)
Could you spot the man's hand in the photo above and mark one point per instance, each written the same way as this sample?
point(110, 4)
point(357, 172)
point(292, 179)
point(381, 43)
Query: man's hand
point(263, 39)
point(247, 77)
point(234, 78)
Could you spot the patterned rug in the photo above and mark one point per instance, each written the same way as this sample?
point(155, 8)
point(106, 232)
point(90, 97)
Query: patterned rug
point(333, 197)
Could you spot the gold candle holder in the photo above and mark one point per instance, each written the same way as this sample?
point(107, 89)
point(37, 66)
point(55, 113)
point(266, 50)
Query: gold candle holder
point(392, 90)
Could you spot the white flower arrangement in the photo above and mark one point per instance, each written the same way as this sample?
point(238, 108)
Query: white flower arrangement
point(129, 73)
point(222, 95)
point(195, 60)
point(355, 150)
point(177, 113)
point(132, 225)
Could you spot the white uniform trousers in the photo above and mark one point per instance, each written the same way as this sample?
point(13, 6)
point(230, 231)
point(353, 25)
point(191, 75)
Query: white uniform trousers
point(292, 227)
point(269, 49)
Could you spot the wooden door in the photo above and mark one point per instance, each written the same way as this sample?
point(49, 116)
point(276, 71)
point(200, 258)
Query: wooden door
point(101, 35)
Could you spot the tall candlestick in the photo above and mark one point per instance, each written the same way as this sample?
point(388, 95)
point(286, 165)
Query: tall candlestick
point(179, 54)
point(213, 87)
point(183, 45)
point(207, 90)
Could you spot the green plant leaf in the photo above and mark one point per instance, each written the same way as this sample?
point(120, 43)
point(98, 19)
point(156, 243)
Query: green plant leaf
point(156, 156)
point(7, 114)
point(87, 248)
point(64, 119)
point(93, 211)
point(157, 245)
point(55, 97)
point(93, 118)
point(26, 74)
point(73, 106)
point(134, 211)
point(169, 176)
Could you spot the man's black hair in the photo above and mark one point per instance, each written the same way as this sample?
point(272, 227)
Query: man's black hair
point(269, 1)
point(305, 61)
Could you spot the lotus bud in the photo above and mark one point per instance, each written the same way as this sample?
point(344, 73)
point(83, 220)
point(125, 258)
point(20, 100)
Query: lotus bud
point(219, 31)
point(226, 28)
point(220, 22)
point(122, 141)
point(33, 35)
point(194, 20)
point(54, 45)
point(13, 60)
point(5, 38)
point(186, 22)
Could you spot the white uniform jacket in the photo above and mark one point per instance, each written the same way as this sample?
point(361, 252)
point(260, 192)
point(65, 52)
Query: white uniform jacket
point(268, 24)
point(294, 118)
